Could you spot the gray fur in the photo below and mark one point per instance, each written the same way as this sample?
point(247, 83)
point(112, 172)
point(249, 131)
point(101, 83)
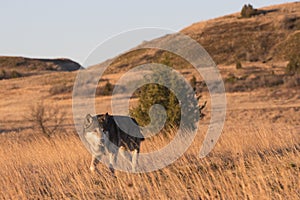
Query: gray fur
point(122, 135)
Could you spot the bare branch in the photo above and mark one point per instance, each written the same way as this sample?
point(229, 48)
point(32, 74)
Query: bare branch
point(46, 119)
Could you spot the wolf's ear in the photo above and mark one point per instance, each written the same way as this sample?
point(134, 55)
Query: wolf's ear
point(106, 117)
point(88, 120)
point(101, 118)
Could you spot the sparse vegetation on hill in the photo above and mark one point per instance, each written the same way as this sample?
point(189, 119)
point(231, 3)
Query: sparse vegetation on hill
point(105, 90)
point(248, 11)
point(17, 66)
point(9, 74)
point(245, 83)
point(229, 38)
point(270, 36)
point(293, 66)
point(61, 89)
point(289, 47)
point(238, 65)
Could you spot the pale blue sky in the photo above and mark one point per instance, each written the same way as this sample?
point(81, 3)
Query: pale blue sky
point(49, 29)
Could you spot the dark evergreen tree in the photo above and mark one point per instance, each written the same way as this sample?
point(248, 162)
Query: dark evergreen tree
point(160, 92)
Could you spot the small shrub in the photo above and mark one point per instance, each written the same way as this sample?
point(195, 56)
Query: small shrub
point(47, 120)
point(15, 74)
point(271, 80)
point(248, 11)
point(231, 78)
point(293, 165)
point(292, 81)
point(238, 65)
point(60, 89)
point(8, 75)
point(2, 74)
point(290, 23)
point(293, 66)
point(106, 90)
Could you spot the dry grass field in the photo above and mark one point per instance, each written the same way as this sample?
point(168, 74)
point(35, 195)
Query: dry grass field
point(257, 156)
point(257, 162)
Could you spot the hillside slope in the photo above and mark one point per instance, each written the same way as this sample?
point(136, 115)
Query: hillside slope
point(13, 67)
point(272, 36)
point(265, 37)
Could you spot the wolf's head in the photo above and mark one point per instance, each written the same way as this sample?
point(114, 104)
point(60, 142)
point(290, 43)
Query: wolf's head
point(94, 134)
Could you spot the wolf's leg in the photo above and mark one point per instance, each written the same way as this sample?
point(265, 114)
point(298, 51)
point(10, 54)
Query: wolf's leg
point(113, 153)
point(134, 159)
point(111, 159)
point(126, 158)
point(94, 163)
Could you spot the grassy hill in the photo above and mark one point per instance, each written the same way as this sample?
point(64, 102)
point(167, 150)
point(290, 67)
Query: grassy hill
point(265, 37)
point(271, 36)
point(14, 67)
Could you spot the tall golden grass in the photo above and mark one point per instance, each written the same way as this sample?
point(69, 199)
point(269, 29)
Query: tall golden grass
point(257, 162)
